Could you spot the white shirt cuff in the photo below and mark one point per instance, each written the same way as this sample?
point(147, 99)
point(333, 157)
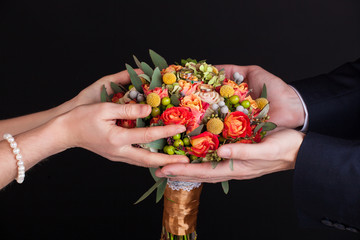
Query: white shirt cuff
point(306, 121)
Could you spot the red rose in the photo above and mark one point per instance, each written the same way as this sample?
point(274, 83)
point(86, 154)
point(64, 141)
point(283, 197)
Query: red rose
point(177, 115)
point(203, 143)
point(126, 123)
point(236, 125)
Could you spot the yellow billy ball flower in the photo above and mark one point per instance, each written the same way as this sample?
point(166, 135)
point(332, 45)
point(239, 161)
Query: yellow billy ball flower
point(153, 99)
point(261, 102)
point(169, 78)
point(215, 126)
point(227, 91)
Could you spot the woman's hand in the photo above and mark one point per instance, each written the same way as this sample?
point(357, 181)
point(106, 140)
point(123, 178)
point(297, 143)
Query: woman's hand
point(94, 128)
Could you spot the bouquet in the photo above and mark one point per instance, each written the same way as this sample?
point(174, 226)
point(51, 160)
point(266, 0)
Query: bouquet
point(214, 109)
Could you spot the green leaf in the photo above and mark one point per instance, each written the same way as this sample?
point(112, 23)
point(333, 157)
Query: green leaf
point(135, 80)
point(214, 164)
point(269, 126)
point(179, 152)
point(152, 171)
point(116, 88)
point(140, 123)
point(198, 160)
point(175, 100)
point(138, 64)
point(160, 190)
point(146, 77)
point(225, 186)
point(196, 131)
point(264, 92)
point(158, 60)
point(156, 80)
point(147, 69)
point(231, 162)
point(104, 96)
point(263, 112)
point(148, 192)
point(258, 127)
point(157, 144)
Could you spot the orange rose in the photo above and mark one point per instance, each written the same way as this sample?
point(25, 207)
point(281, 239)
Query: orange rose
point(158, 90)
point(236, 125)
point(177, 115)
point(203, 143)
point(171, 69)
point(187, 87)
point(192, 101)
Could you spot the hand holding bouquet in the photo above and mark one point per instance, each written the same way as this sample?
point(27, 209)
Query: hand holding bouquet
point(214, 109)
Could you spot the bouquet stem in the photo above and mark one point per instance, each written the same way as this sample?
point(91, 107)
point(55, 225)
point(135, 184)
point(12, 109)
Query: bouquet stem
point(181, 205)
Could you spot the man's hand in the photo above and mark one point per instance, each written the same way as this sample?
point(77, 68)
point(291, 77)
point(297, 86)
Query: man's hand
point(277, 152)
point(286, 109)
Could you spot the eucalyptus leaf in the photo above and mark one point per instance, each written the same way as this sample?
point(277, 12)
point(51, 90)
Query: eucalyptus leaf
point(214, 164)
point(146, 77)
point(135, 80)
point(104, 96)
point(258, 127)
point(175, 100)
point(147, 69)
point(148, 192)
point(138, 64)
point(140, 123)
point(156, 80)
point(263, 112)
point(116, 88)
point(152, 171)
point(160, 190)
point(225, 186)
point(264, 92)
point(196, 131)
point(269, 126)
point(231, 163)
point(157, 144)
point(158, 60)
point(198, 160)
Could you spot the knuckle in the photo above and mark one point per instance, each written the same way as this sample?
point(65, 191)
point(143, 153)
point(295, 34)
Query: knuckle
point(148, 135)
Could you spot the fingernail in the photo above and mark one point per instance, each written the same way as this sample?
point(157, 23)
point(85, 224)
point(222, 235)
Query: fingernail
point(224, 152)
point(167, 173)
point(145, 109)
point(180, 129)
point(160, 174)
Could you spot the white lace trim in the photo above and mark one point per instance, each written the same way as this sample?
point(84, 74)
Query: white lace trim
point(179, 185)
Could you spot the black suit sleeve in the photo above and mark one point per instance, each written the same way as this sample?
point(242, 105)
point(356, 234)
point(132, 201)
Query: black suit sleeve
point(327, 171)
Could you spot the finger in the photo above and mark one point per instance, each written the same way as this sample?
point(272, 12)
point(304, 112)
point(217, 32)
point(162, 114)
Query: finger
point(150, 134)
point(125, 111)
point(231, 69)
point(144, 158)
point(260, 151)
point(203, 171)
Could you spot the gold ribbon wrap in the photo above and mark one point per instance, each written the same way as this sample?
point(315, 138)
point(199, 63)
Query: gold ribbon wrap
point(180, 210)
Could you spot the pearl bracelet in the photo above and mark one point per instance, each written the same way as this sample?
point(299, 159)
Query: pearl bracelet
point(20, 164)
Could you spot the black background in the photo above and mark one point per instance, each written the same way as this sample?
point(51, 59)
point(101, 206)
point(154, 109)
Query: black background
point(50, 50)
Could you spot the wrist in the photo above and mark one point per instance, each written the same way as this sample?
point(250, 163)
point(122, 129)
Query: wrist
point(298, 108)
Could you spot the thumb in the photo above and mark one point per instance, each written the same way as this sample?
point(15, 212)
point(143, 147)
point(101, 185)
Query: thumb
point(242, 151)
point(126, 111)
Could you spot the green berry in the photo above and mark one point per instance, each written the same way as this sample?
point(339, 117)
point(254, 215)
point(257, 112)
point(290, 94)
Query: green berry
point(186, 141)
point(142, 102)
point(177, 136)
point(170, 150)
point(236, 105)
point(130, 87)
point(234, 99)
point(165, 101)
point(245, 103)
point(169, 106)
point(155, 111)
point(165, 149)
point(178, 143)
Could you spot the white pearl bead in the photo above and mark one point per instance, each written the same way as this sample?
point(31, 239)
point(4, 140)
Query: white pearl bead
point(20, 163)
point(18, 157)
point(7, 135)
point(20, 173)
point(10, 139)
point(13, 145)
point(20, 180)
point(16, 151)
point(21, 168)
